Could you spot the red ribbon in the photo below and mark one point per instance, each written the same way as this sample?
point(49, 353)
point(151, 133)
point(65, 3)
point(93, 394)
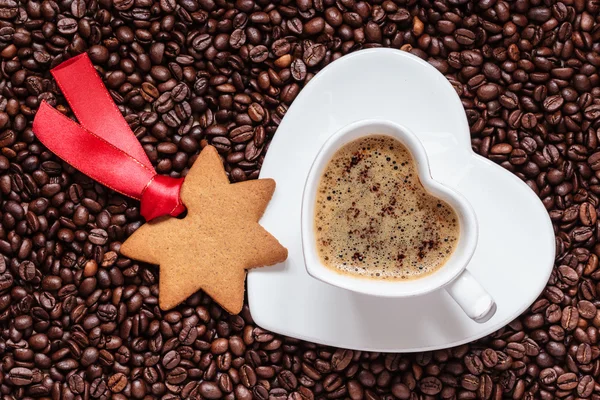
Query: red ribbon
point(102, 145)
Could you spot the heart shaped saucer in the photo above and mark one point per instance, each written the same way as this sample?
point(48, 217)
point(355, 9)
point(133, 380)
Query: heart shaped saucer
point(514, 254)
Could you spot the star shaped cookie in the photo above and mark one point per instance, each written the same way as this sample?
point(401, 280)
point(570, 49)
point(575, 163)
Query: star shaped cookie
point(219, 238)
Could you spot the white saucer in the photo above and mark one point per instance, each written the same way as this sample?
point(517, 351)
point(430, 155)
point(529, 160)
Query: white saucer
point(515, 253)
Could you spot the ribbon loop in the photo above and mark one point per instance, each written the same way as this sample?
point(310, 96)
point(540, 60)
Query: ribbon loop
point(94, 107)
point(102, 145)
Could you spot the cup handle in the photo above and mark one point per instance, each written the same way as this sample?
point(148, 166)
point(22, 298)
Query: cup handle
point(475, 301)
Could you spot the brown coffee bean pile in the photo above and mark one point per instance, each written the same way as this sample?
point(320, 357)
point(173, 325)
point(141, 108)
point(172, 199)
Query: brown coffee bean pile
point(78, 321)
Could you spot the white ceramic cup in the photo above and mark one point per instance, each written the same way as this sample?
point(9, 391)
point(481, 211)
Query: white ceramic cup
point(453, 276)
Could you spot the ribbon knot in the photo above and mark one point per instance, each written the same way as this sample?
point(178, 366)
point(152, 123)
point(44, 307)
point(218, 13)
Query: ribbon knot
point(161, 195)
point(102, 145)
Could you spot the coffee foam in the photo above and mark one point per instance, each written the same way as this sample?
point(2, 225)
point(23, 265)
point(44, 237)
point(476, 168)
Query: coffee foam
point(373, 217)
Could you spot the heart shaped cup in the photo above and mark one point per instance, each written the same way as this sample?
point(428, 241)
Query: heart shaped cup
point(453, 276)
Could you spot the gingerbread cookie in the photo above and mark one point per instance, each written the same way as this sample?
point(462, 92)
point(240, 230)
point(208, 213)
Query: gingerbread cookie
point(219, 238)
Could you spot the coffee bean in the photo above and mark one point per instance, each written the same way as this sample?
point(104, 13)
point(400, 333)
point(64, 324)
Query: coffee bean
point(567, 381)
point(27, 271)
point(219, 346)
point(568, 275)
point(180, 92)
point(464, 36)
point(256, 112)
point(247, 376)
point(548, 376)
point(488, 92)
point(470, 382)
point(474, 364)
point(98, 236)
point(289, 93)
point(171, 359)
point(76, 384)
point(570, 318)
point(8, 9)
point(594, 161)
point(252, 152)
point(260, 392)
point(6, 281)
point(553, 313)
point(287, 380)
point(516, 350)
point(242, 134)
point(553, 103)
point(210, 390)
point(584, 354)
point(237, 39)
point(341, 359)
point(20, 376)
point(259, 54)
point(78, 8)
point(581, 234)
point(67, 26)
point(587, 214)
point(117, 382)
point(138, 389)
point(489, 358)
point(586, 386)
point(176, 375)
point(586, 309)
point(298, 70)
point(313, 53)
point(430, 386)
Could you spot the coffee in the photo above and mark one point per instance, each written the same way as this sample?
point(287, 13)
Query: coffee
point(374, 218)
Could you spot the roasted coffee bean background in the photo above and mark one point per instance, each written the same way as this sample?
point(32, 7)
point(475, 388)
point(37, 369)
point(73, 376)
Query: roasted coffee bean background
point(78, 321)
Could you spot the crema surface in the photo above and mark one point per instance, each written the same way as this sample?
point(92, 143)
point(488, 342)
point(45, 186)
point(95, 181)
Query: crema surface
point(375, 219)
